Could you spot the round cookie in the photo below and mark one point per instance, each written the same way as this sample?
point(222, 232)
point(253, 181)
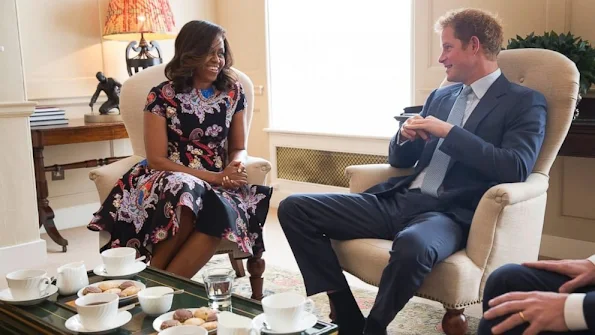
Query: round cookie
point(169, 323)
point(113, 290)
point(126, 285)
point(91, 289)
point(202, 313)
point(211, 315)
point(130, 290)
point(107, 286)
point(194, 322)
point(182, 315)
point(209, 325)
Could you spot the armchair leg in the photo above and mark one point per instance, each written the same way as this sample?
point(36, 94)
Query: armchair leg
point(256, 268)
point(454, 322)
point(237, 265)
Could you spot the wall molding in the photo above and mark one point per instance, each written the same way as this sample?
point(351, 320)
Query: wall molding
point(68, 101)
point(22, 256)
point(17, 109)
point(565, 248)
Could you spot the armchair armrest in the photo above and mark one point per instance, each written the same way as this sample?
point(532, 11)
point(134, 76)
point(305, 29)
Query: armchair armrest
point(507, 224)
point(362, 177)
point(257, 169)
point(106, 176)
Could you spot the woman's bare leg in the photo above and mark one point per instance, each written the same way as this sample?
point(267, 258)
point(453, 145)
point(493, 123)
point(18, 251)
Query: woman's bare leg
point(164, 251)
point(194, 254)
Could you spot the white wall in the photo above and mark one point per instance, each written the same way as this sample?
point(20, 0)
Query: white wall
point(20, 245)
point(245, 23)
point(11, 58)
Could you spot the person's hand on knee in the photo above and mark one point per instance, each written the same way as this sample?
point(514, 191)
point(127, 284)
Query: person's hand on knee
point(543, 311)
point(581, 270)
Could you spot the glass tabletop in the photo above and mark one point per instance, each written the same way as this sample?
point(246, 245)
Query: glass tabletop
point(49, 317)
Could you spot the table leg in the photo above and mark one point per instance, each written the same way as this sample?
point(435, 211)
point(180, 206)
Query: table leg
point(46, 214)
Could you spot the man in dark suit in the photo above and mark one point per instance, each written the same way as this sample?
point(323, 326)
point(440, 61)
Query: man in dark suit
point(545, 297)
point(468, 137)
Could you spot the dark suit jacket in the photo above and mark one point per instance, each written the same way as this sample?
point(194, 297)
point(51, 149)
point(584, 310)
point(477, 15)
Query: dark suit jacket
point(499, 143)
point(589, 310)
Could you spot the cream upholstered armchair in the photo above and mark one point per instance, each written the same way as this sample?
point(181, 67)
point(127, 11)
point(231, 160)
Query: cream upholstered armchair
point(508, 222)
point(132, 102)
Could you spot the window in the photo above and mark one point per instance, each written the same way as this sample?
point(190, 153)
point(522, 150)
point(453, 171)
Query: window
point(339, 66)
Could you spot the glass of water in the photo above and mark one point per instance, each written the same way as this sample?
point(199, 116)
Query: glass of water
point(218, 283)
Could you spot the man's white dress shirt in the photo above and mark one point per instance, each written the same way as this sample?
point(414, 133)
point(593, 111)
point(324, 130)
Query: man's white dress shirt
point(573, 309)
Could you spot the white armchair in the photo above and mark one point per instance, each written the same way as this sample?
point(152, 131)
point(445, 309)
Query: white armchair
point(132, 102)
point(508, 222)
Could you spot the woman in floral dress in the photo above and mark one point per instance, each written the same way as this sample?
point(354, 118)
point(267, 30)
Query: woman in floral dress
point(177, 205)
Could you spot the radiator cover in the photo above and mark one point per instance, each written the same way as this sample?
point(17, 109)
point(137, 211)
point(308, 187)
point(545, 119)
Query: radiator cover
point(319, 166)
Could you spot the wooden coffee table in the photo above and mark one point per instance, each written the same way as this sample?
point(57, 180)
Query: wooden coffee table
point(50, 316)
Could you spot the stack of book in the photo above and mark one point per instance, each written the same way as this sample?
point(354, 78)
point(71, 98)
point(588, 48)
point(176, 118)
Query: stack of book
point(47, 116)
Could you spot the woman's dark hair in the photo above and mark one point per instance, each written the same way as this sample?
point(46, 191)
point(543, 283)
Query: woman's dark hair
point(192, 47)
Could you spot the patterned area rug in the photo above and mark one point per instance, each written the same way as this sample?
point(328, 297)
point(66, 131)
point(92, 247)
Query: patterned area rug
point(415, 318)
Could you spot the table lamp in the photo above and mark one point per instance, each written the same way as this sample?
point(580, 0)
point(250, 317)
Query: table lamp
point(152, 19)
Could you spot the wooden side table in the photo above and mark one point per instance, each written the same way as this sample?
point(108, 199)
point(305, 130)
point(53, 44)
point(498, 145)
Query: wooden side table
point(76, 131)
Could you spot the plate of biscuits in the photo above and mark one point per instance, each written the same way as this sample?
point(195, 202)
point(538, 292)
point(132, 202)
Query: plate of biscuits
point(203, 317)
point(126, 289)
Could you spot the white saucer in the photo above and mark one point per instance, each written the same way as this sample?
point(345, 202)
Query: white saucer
point(5, 296)
point(307, 321)
point(74, 324)
point(134, 269)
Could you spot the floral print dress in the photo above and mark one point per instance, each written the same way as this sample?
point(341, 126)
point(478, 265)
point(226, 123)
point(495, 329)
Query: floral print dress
point(142, 208)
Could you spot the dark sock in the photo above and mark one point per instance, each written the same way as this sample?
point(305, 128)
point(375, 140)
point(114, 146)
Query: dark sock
point(373, 327)
point(348, 316)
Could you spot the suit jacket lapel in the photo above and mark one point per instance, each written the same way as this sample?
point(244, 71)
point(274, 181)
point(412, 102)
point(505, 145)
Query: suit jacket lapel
point(487, 103)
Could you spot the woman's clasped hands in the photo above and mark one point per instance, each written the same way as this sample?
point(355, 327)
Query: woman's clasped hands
point(234, 175)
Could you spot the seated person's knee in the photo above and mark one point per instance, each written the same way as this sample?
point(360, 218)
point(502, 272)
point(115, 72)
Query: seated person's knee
point(288, 206)
point(501, 277)
point(412, 249)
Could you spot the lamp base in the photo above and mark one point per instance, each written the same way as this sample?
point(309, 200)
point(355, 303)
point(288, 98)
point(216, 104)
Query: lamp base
point(106, 118)
point(144, 58)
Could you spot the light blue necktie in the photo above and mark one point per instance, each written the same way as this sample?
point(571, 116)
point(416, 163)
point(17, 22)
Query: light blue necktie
point(436, 170)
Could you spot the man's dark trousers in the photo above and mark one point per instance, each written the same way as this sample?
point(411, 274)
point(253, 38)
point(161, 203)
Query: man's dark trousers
point(420, 240)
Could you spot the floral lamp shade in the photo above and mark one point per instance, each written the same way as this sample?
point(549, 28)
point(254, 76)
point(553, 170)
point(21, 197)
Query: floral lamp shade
point(127, 20)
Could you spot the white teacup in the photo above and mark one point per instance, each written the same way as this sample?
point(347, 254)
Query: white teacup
point(97, 311)
point(233, 324)
point(153, 301)
point(283, 311)
point(118, 260)
point(28, 284)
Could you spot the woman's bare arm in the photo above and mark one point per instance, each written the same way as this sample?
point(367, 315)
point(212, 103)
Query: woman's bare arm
point(237, 139)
